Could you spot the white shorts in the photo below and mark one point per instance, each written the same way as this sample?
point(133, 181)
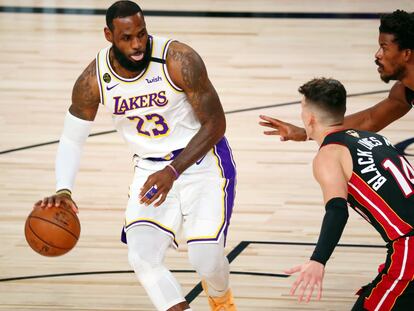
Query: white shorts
point(200, 201)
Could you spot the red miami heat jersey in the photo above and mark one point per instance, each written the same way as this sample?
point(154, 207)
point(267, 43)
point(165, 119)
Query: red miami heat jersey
point(381, 188)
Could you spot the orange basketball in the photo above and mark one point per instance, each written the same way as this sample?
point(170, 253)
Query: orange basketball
point(52, 231)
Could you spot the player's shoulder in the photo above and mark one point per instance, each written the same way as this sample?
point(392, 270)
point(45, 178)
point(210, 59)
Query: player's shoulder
point(330, 154)
point(88, 75)
point(398, 93)
point(85, 92)
point(185, 65)
point(180, 53)
point(329, 159)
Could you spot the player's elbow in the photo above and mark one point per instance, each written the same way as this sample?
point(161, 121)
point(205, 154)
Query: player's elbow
point(220, 127)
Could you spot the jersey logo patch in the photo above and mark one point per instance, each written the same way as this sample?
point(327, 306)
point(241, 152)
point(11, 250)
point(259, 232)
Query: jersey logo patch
point(352, 133)
point(154, 79)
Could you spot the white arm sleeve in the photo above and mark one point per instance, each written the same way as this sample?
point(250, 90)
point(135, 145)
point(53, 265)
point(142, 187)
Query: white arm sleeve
point(75, 132)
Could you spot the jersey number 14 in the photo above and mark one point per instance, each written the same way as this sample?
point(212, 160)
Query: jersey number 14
point(404, 177)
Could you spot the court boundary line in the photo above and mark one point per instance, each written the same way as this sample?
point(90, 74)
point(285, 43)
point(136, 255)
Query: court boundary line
point(196, 13)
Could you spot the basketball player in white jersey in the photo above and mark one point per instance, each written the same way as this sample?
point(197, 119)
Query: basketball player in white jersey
point(165, 107)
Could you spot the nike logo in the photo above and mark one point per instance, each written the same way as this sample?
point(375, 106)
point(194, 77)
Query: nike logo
point(108, 88)
point(199, 161)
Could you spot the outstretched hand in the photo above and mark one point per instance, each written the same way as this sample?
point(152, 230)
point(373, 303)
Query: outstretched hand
point(310, 277)
point(57, 200)
point(286, 131)
point(157, 187)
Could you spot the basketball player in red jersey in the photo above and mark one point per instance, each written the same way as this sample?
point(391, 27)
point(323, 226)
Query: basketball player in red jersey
point(163, 104)
point(364, 170)
point(395, 60)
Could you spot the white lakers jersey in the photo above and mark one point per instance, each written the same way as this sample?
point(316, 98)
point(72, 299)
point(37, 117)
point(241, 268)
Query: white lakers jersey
point(152, 114)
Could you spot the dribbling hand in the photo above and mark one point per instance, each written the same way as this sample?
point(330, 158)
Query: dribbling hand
point(286, 131)
point(58, 200)
point(310, 278)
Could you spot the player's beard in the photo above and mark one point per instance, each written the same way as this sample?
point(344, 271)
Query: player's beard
point(398, 73)
point(130, 65)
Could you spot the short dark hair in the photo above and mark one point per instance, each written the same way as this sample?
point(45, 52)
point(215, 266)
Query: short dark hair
point(327, 94)
point(400, 24)
point(121, 9)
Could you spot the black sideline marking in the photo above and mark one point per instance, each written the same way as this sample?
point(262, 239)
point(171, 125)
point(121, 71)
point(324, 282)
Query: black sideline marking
point(169, 13)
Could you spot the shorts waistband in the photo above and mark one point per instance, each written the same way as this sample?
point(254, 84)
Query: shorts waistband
point(169, 157)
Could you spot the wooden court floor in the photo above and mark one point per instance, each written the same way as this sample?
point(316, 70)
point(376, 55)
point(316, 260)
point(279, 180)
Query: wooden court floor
point(256, 65)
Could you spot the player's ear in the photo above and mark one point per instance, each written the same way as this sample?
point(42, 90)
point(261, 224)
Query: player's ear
point(408, 55)
point(108, 34)
point(311, 120)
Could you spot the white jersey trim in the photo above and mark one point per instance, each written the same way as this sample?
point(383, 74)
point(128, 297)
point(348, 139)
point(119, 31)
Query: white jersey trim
point(165, 69)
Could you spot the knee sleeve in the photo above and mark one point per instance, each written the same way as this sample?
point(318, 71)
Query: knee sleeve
point(146, 248)
point(211, 264)
point(146, 251)
point(207, 258)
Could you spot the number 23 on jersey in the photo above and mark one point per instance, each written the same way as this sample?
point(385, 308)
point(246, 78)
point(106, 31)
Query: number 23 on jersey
point(151, 125)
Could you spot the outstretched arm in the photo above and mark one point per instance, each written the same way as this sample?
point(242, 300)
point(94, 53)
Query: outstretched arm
point(377, 117)
point(329, 171)
point(187, 70)
point(372, 119)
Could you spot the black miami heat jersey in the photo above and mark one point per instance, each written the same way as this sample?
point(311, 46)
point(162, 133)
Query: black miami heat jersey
point(381, 188)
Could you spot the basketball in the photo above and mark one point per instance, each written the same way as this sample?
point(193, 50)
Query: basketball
point(52, 231)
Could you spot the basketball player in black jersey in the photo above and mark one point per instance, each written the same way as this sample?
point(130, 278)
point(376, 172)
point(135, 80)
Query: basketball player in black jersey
point(363, 169)
point(395, 60)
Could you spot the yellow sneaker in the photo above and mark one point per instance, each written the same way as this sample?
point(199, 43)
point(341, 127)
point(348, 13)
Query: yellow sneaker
point(223, 303)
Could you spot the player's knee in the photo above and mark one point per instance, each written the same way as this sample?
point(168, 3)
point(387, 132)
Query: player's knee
point(139, 262)
point(206, 263)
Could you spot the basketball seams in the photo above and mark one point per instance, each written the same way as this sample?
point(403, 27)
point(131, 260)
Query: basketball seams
point(37, 217)
point(47, 243)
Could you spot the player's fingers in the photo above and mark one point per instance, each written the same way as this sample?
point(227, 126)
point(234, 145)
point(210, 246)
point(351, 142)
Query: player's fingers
point(58, 201)
point(267, 124)
point(163, 196)
point(319, 291)
point(274, 121)
point(50, 201)
point(154, 195)
point(38, 203)
point(275, 132)
point(310, 292)
point(302, 290)
point(295, 286)
point(44, 202)
point(144, 189)
point(293, 269)
point(74, 207)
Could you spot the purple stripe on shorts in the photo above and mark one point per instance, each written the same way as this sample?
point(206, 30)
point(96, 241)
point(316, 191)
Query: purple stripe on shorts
point(146, 222)
point(223, 151)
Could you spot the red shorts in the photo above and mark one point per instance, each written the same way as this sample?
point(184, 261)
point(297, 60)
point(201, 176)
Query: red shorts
point(393, 288)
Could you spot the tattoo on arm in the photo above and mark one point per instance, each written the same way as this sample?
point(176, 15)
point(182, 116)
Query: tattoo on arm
point(195, 82)
point(85, 94)
point(188, 71)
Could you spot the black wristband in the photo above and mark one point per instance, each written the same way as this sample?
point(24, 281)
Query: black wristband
point(333, 225)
